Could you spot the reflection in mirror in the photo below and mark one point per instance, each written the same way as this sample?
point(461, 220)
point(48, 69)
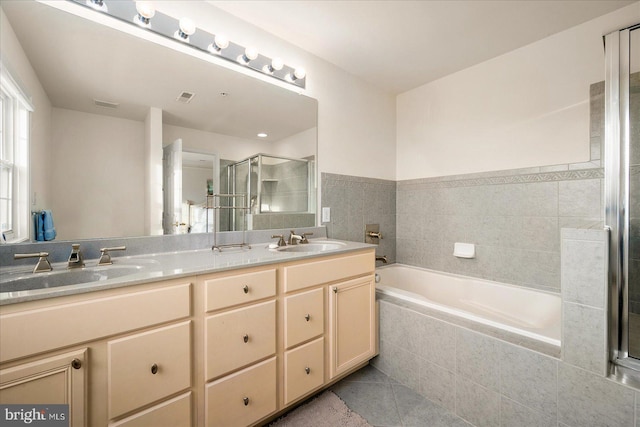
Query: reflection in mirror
point(105, 103)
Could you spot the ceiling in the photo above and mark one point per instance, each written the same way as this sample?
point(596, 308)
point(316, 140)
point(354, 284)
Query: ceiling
point(399, 45)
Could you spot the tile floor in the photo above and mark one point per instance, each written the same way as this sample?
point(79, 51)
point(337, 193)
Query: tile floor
point(384, 402)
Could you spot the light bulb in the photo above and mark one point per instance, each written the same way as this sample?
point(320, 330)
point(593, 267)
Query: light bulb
point(219, 42)
point(300, 73)
point(146, 11)
point(262, 135)
point(249, 55)
point(187, 28)
point(276, 65)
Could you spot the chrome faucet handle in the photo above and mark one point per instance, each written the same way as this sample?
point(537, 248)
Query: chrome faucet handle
point(105, 257)
point(280, 238)
point(43, 263)
point(304, 237)
point(76, 260)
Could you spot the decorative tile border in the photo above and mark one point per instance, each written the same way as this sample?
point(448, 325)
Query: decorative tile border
point(491, 178)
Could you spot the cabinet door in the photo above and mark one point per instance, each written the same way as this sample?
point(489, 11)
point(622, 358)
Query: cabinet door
point(352, 323)
point(58, 379)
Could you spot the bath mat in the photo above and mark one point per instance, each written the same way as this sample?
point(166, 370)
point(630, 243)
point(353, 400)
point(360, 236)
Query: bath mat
point(326, 410)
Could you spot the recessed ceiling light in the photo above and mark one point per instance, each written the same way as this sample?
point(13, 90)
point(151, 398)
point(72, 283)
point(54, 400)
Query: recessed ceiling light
point(262, 135)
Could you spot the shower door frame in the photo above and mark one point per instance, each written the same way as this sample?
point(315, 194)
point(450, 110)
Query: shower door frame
point(617, 139)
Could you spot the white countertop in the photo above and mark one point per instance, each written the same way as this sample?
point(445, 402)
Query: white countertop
point(160, 266)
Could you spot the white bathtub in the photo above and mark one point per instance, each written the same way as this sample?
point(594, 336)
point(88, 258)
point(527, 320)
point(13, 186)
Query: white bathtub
point(531, 313)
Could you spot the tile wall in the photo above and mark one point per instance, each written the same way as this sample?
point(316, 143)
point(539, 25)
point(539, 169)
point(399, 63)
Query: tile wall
point(355, 202)
point(513, 217)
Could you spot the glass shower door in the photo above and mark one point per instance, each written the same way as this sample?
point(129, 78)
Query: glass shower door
point(622, 198)
point(633, 131)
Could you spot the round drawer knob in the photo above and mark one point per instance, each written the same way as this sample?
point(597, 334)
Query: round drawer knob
point(245, 400)
point(245, 338)
point(307, 317)
point(76, 364)
point(307, 370)
point(154, 369)
point(245, 289)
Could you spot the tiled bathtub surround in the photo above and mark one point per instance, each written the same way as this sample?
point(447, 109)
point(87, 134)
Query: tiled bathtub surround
point(513, 217)
point(489, 381)
point(357, 201)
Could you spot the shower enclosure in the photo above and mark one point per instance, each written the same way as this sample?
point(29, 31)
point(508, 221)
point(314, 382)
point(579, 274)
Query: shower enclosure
point(275, 189)
point(622, 197)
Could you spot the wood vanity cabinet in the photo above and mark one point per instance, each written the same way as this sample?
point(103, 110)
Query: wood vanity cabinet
point(232, 348)
point(338, 291)
point(96, 351)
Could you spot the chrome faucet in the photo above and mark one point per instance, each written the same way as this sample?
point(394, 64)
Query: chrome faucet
point(43, 263)
point(382, 258)
point(76, 260)
point(304, 237)
point(295, 238)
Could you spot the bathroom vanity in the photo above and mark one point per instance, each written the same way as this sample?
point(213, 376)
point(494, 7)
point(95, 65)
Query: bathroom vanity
point(230, 345)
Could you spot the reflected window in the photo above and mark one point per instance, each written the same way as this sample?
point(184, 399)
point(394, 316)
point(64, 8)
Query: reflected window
point(15, 110)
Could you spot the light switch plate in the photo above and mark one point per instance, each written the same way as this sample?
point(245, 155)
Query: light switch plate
point(326, 214)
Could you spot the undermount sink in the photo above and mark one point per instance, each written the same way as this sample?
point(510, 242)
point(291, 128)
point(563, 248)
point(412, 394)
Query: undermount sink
point(15, 282)
point(313, 247)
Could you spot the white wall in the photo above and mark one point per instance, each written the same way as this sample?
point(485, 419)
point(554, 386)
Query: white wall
point(356, 121)
point(300, 145)
point(225, 146)
point(104, 197)
point(18, 64)
point(529, 107)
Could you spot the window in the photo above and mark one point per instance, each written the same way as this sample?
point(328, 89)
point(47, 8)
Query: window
point(15, 112)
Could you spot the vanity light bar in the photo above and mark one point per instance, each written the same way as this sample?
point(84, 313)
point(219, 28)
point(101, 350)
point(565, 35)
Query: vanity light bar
point(184, 31)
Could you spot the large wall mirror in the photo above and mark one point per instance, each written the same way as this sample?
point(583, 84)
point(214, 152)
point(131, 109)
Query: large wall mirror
point(108, 105)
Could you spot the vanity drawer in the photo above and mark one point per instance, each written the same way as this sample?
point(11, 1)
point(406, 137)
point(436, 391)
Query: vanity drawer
point(222, 292)
point(242, 398)
point(303, 370)
point(175, 412)
point(303, 316)
point(306, 274)
point(146, 367)
point(239, 337)
point(57, 326)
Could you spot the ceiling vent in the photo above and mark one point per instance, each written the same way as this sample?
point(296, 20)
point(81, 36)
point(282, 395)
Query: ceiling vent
point(185, 97)
point(106, 104)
